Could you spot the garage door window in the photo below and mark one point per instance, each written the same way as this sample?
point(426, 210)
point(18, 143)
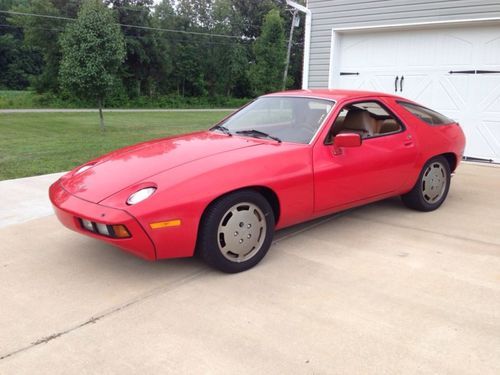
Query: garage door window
point(425, 114)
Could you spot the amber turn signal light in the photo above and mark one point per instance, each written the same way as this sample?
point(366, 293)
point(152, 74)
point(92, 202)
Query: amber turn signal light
point(120, 231)
point(165, 224)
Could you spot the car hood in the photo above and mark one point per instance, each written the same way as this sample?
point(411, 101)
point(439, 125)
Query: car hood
point(127, 166)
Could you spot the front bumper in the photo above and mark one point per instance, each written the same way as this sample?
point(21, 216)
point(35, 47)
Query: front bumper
point(69, 209)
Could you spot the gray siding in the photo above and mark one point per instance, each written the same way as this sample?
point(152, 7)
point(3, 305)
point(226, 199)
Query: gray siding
point(328, 14)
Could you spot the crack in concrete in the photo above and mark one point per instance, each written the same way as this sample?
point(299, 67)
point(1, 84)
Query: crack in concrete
point(151, 293)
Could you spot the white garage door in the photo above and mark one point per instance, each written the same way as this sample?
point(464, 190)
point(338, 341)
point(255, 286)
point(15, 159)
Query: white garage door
point(455, 71)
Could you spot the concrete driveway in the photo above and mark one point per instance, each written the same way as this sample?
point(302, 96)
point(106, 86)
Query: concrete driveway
point(380, 289)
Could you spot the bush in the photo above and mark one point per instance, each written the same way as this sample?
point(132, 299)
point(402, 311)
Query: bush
point(29, 99)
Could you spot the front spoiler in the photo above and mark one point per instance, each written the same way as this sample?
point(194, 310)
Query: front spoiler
point(69, 208)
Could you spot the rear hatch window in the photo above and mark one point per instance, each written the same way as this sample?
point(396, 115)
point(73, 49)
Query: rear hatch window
point(426, 115)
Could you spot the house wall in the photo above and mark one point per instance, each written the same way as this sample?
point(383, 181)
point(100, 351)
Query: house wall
point(328, 14)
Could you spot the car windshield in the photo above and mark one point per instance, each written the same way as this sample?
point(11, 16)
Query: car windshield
point(287, 119)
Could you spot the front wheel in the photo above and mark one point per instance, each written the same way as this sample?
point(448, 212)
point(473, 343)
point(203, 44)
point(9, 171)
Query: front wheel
point(432, 186)
point(236, 231)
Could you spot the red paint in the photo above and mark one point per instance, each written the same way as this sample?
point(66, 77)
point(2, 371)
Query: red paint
point(346, 140)
point(68, 208)
point(191, 171)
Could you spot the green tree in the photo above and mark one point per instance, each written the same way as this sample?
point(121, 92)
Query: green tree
point(252, 14)
point(18, 62)
point(147, 53)
point(92, 50)
point(190, 50)
point(229, 59)
point(269, 48)
point(205, 65)
point(42, 34)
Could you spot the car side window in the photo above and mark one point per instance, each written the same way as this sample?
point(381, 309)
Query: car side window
point(425, 114)
point(368, 119)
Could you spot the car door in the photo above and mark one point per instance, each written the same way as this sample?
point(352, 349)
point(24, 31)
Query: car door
point(378, 167)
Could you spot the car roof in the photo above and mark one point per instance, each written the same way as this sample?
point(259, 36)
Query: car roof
point(331, 94)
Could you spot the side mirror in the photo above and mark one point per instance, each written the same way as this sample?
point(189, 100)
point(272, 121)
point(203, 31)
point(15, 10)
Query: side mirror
point(345, 140)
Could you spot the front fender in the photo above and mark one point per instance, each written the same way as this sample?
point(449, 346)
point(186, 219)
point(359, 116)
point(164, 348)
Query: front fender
point(186, 191)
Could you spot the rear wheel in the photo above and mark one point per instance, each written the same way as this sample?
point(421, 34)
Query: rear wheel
point(236, 231)
point(432, 186)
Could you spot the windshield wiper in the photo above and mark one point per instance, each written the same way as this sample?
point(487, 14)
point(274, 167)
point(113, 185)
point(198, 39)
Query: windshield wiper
point(223, 129)
point(258, 134)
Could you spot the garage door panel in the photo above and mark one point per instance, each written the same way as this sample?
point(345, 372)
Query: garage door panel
point(373, 81)
point(491, 52)
point(351, 82)
point(415, 51)
point(488, 91)
point(489, 133)
point(383, 81)
point(454, 53)
point(488, 112)
point(458, 87)
point(476, 141)
point(417, 87)
point(493, 106)
point(369, 83)
point(491, 130)
point(446, 97)
point(366, 50)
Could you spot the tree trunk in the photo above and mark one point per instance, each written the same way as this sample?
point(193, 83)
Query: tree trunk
point(101, 117)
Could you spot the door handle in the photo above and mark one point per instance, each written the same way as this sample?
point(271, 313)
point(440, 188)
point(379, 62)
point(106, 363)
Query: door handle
point(396, 84)
point(401, 83)
point(408, 141)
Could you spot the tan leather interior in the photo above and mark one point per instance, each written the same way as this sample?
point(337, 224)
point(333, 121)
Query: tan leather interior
point(360, 122)
point(389, 126)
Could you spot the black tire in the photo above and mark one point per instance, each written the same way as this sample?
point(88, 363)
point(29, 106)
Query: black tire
point(232, 225)
point(422, 197)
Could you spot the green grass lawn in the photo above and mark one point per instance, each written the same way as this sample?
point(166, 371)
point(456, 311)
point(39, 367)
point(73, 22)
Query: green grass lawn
point(39, 143)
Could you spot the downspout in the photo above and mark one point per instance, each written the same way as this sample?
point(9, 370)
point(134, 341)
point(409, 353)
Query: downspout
point(307, 42)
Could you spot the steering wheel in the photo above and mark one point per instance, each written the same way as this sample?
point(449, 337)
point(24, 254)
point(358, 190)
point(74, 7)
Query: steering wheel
point(307, 130)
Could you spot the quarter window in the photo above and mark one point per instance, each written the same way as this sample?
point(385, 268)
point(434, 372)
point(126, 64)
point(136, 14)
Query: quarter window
point(426, 115)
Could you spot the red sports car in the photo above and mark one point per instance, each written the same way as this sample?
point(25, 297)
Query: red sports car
point(283, 159)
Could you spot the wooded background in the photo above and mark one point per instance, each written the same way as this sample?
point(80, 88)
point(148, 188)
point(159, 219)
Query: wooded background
point(208, 49)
